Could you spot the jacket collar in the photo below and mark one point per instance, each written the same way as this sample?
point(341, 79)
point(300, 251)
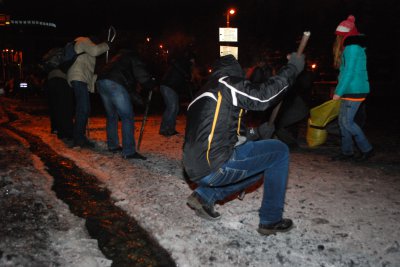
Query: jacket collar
point(356, 40)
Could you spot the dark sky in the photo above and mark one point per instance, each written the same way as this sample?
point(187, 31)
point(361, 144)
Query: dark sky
point(259, 18)
point(269, 19)
point(158, 15)
point(91, 15)
point(275, 23)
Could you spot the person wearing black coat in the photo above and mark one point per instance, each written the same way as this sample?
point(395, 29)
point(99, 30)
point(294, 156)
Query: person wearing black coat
point(61, 104)
point(116, 80)
point(219, 159)
point(174, 82)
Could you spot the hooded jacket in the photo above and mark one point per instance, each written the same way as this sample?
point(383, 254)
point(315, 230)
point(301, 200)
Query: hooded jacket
point(178, 74)
point(214, 117)
point(126, 69)
point(353, 76)
point(83, 68)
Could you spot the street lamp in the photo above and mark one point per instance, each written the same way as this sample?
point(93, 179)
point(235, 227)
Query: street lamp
point(231, 11)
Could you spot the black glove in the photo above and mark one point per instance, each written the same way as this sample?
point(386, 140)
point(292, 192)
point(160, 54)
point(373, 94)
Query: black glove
point(149, 84)
point(297, 61)
point(136, 99)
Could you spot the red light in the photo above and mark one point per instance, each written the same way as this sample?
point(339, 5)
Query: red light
point(4, 19)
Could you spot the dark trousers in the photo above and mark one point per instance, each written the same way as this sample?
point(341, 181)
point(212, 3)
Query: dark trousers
point(82, 111)
point(61, 107)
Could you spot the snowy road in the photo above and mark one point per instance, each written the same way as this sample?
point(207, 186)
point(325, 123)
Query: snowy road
point(346, 214)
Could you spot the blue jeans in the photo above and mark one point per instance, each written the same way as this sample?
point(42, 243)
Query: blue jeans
point(82, 110)
point(117, 103)
point(250, 162)
point(349, 128)
point(171, 100)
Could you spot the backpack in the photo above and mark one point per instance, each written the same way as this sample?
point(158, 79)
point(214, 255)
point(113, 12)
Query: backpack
point(52, 59)
point(60, 57)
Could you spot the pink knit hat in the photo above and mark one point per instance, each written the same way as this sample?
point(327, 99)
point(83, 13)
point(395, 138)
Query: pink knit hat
point(347, 27)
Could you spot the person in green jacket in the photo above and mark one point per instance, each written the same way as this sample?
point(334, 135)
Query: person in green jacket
point(352, 88)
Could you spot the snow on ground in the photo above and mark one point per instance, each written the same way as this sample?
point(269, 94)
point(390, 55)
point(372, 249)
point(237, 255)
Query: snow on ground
point(36, 228)
point(346, 214)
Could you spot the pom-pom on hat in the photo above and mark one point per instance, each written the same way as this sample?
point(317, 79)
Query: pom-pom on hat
point(347, 27)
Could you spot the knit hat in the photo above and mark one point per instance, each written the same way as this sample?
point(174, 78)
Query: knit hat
point(347, 27)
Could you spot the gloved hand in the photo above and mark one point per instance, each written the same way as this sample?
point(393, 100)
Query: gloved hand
point(136, 98)
point(297, 60)
point(149, 84)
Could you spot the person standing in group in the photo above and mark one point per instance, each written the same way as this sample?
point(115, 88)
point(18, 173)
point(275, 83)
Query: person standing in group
point(116, 81)
point(176, 79)
point(219, 159)
point(81, 77)
point(260, 71)
point(61, 104)
point(352, 88)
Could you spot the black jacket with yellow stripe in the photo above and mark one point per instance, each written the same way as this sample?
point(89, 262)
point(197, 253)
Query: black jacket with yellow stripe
point(214, 117)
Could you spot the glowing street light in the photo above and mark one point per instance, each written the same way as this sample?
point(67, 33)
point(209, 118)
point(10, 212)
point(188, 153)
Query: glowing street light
point(313, 66)
point(231, 11)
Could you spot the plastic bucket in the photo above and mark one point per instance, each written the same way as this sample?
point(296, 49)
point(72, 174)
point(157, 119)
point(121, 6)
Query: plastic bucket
point(321, 115)
point(315, 135)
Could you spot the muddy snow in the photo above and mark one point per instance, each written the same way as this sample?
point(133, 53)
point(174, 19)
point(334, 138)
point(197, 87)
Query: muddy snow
point(345, 213)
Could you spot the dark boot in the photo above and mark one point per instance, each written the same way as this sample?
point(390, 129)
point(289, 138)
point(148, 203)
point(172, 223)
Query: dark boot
point(365, 156)
point(342, 157)
point(283, 225)
point(203, 210)
point(135, 156)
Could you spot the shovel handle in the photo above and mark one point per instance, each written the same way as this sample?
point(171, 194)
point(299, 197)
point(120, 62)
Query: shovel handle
point(303, 42)
point(300, 49)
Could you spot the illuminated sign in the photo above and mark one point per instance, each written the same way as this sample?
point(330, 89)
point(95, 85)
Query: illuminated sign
point(228, 50)
point(228, 34)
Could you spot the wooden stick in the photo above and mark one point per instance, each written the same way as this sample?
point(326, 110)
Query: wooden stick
point(303, 42)
point(300, 49)
point(144, 120)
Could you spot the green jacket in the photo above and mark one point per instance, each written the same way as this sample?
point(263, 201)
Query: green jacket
point(353, 77)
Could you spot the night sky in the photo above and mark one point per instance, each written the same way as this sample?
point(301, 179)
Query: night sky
point(276, 24)
point(260, 18)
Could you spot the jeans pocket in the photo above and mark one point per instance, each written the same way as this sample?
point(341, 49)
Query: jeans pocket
point(226, 176)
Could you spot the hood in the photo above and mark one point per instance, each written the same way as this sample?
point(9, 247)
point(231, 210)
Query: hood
point(227, 66)
point(356, 39)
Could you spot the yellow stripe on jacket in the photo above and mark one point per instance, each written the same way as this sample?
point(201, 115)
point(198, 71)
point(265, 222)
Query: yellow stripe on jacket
point(239, 122)
point(210, 137)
